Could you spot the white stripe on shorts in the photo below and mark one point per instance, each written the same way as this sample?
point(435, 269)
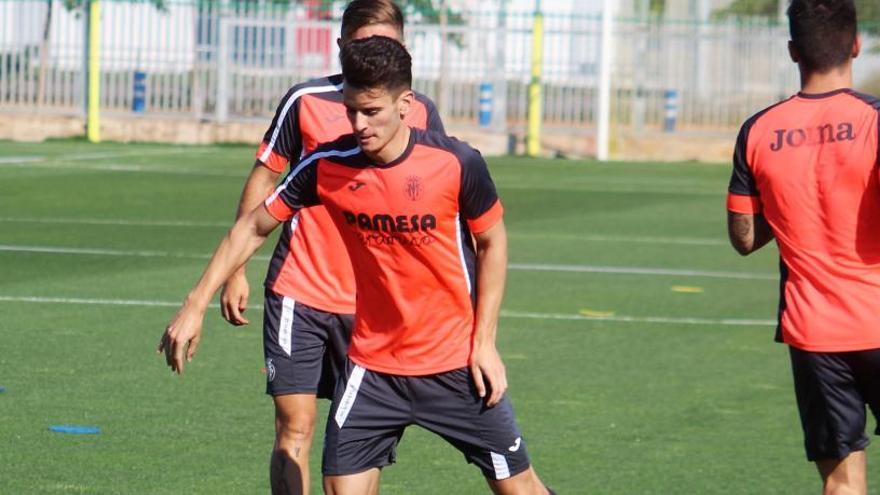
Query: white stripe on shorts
point(351, 391)
point(502, 470)
point(285, 326)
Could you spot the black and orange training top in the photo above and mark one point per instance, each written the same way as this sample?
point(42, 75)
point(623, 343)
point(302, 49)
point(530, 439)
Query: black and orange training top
point(407, 227)
point(310, 264)
point(810, 165)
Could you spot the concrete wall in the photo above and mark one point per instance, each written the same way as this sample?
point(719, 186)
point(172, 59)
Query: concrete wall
point(627, 145)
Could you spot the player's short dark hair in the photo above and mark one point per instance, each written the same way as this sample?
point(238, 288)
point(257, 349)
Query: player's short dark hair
point(376, 62)
point(823, 32)
point(360, 13)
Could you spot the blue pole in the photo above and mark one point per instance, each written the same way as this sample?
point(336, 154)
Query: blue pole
point(485, 104)
point(671, 110)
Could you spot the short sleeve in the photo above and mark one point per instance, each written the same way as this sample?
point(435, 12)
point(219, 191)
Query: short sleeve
point(282, 142)
point(298, 190)
point(478, 200)
point(742, 193)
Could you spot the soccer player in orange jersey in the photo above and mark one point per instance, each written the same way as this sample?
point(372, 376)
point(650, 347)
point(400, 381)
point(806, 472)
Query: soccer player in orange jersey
point(806, 173)
point(309, 288)
point(422, 223)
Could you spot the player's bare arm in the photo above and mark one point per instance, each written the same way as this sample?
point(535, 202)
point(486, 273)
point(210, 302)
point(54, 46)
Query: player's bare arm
point(183, 333)
point(486, 365)
point(748, 233)
point(235, 293)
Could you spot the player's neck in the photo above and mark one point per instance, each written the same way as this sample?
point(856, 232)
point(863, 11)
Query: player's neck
point(396, 146)
point(826, 82)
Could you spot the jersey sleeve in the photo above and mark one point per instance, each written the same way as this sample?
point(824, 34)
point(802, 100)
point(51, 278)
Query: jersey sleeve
point(478, 200)
point(742, 194)
point(299, 190)
point(282, 142)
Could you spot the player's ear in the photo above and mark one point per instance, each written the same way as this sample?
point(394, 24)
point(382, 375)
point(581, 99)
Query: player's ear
point(793, 53)
point(404, 102)
point(857, 46)
point(339, 43)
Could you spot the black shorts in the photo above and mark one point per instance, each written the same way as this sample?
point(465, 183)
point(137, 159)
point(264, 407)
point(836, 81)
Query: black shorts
point(832, 390)
point(305, 348)
point(371, 411)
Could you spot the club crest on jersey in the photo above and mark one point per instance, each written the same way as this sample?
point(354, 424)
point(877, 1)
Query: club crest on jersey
point(413, 188)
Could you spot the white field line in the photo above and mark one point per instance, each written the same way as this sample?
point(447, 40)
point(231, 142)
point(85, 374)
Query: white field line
point(528, 267)
point(504, 313)
point(117, 221)
point(118, 167)
point(108, 252)
point(688, 241)
point(21, 159)
point(623, 239)
point(623, 270)
point(14, 160)
point(597, 188)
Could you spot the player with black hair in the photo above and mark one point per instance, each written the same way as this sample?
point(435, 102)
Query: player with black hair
point(422, 222)
point(806, 174)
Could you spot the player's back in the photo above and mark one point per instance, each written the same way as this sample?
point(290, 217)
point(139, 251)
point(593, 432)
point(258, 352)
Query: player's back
point(813, 165)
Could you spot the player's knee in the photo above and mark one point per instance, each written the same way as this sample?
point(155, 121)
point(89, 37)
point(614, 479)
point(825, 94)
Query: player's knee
point(843, 489)
point(295, 429)
point(525, 483)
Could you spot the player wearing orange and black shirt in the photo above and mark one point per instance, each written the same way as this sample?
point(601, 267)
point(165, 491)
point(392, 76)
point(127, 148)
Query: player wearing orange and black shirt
point(422, 223)
point(806, 173)
point(309, 288)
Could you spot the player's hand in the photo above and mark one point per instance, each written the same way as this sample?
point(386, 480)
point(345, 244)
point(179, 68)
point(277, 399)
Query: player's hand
point(182, 336)
point(489, 374)
point(234, 299)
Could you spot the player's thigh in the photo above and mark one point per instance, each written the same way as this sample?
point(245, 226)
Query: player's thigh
point(366, 483)
point(337, 332)
point(448, 404)
point(294, 342)
point(295, 414)
point(831, 406)
point(868, 371)
point(366, 422)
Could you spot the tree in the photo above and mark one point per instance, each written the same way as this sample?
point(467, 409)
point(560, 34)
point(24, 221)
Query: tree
point(869, 11)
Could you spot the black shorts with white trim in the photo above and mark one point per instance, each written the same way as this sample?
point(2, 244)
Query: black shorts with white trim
point(371, 411)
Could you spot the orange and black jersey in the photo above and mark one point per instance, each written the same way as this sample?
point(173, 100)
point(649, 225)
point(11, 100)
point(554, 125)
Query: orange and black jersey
point(809, 164)
point(407, 227)
point(310, 263)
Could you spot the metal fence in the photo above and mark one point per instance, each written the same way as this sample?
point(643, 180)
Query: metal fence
point(232, 61)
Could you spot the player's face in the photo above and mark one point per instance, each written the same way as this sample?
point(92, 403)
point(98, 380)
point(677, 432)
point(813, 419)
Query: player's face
point(376, 115)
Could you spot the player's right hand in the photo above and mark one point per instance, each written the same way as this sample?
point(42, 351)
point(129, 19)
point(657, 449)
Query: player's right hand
point(234, 299)
point(181, 335)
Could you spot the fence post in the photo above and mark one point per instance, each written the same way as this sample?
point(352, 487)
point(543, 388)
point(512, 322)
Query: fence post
point(604, 118)
point(139, 92)
point(499, 103)
point(443, 92)
point(533, 141)
point(222, 104)
point(93, 122)
point(485, 104)
point(670, 107)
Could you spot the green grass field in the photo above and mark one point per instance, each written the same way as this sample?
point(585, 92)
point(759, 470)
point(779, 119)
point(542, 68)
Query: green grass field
point(631, 368)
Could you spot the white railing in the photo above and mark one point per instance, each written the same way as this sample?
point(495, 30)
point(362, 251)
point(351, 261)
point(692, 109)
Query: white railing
point(200, 60)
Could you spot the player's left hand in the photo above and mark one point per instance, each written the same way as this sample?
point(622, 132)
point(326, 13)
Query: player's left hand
point(488, 372)
point(181, 335)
